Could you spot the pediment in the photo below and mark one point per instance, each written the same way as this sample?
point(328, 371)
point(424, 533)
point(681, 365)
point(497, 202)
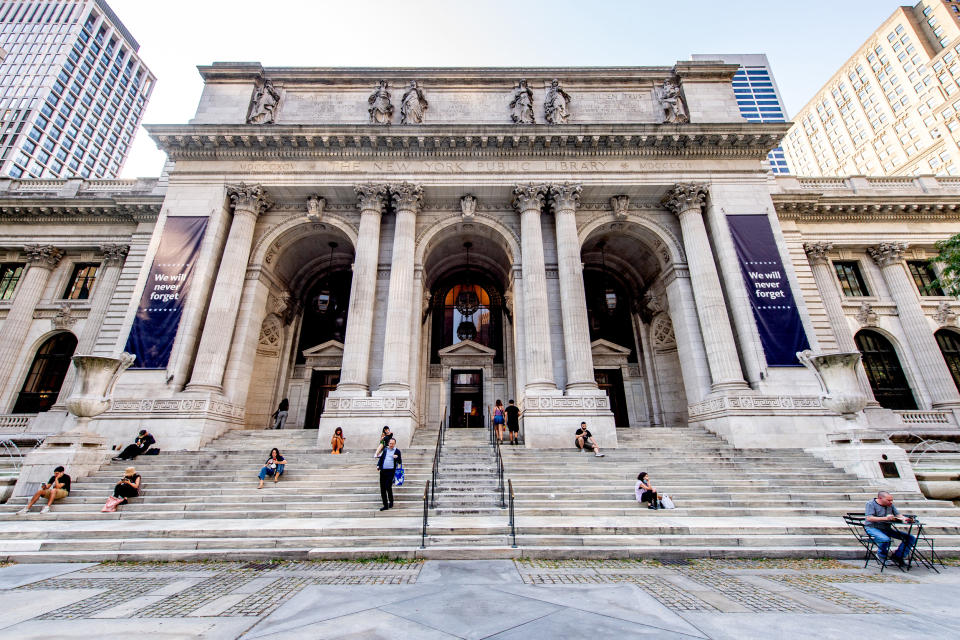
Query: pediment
point(467, 348)
point(330, 348)
point(606, 348)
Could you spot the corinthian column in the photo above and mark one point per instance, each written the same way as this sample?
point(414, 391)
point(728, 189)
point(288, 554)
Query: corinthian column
point(108, 274)
point(356, 344)
point(573, 300)
point(528, 200)
point(933, 369)
point(248, 202)
point(407, 200)
point(824, 276)
point(41, 260)
point(686, 201)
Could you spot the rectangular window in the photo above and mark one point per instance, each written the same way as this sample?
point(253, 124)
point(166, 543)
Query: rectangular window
point(851, 281)
point(81, 282)
point(924, 278)
point(10, 273)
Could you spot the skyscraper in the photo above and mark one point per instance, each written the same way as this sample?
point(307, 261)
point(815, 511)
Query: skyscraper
point(891, 108)
point(757, 95)
point(72, 89)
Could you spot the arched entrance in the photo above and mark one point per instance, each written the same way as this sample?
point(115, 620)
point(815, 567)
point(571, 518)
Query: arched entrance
point(46, 374)
point(886, 376)
point(949, 342)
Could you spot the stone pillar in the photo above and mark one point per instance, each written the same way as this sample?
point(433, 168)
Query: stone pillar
point(926, 353)
point(686, 201)
point(41, 260)
point(573, 301)
point(248, 202)
point(690, 342)
point(826, 281)
point(528, 200)
point(407, 199)
point(371, 200)
point(108, 275)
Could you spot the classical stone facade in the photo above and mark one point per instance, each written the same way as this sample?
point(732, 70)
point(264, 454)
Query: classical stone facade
point(375, 271)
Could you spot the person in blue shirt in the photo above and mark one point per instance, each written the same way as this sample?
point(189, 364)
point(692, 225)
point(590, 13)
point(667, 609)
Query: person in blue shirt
point(387, 463)
point(880, 513)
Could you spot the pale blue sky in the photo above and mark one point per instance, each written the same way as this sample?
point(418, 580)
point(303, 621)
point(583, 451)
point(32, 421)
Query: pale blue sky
point(806, 40)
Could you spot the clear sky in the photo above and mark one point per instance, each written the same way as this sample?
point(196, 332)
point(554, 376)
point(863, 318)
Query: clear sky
point(805, 40)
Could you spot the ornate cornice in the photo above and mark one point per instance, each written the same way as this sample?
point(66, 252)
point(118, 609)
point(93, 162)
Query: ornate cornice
point(45, 255)
point(239, 142)
point(685, 197)
point(565, 197)
point(886, 254)
point(44, 210)
point(529, 197)
point(817, 251)
point(815, 208)
point(371, 197)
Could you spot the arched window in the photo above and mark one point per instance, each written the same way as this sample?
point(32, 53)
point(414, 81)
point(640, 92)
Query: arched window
point(465, 310)
point(325, 310)
point(50, 365)
point(608, 310)
point(890, 386)
point(950, 348)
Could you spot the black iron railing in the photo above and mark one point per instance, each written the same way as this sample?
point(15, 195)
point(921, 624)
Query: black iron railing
point(426, 511)
point(500, 486)
point(436, 460)
point(513, 518)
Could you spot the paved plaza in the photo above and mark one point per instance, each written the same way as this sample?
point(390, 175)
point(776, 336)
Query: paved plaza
point(477, 599)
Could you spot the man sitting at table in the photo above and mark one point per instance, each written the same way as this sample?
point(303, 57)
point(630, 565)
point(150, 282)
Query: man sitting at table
point(880, 512)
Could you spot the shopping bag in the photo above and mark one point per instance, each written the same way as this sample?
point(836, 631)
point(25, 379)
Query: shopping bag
point(667, 503)
point(111, 505)
point(398, 477)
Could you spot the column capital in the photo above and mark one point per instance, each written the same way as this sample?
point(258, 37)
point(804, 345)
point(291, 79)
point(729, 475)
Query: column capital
point(565, 197)
point(371, 197)
point(817, 251)
point(886, 254)
point(685, 197)
point(406, 196)
point(43, 255)
point(529, 197)
point(114, 254)
point(250, 198)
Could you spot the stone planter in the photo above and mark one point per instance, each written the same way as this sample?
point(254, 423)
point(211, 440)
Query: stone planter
point(96, 377)
point(837, 374)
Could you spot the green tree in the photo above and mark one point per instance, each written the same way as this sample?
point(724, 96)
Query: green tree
point(948, 257)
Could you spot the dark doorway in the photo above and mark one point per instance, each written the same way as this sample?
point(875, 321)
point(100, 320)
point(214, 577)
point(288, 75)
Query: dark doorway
point(49, 368)
point(321, 384)
point(890, 386)
point(466, 398)
point(611, 381)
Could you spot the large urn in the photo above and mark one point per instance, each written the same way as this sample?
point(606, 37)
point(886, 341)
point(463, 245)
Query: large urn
point(837, 374)
point(93, 388)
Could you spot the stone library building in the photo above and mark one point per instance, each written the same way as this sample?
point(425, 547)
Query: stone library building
point(407, 246)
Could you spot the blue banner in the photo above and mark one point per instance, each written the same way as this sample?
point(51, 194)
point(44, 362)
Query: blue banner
point(778, 319)
point(161, 304)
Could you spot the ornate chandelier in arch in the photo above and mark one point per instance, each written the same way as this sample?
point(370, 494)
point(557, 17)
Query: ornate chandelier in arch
point(467, 303)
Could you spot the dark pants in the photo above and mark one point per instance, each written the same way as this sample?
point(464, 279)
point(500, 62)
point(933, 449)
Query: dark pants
point(132, 451)
point(882, 538)
point(386, 487)
point(124, 490)
point(649, 496)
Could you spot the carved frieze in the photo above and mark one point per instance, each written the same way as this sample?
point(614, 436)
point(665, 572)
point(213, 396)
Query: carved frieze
point(745, 405)
point(662, 331)
point(886, 254)
point(556, 106)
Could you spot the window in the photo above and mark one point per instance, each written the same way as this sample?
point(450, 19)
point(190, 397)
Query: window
point(50, 366)
point(81, 282)
point(949, 343)
point(924, 278)
point(851, 281)
point(886, 376)
point(10, 273)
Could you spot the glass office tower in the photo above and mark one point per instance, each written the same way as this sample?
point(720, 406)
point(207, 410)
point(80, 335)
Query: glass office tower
point(757, 95)
point(72, 89)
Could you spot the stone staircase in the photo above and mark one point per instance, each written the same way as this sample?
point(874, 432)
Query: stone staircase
point(204, 504)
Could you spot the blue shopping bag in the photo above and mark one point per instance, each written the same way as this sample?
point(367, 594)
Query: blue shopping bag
point(398, 476)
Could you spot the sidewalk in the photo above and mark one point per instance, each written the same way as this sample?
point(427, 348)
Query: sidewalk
point(477, 599)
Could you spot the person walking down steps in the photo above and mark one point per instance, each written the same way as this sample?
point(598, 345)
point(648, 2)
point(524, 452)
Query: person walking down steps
point(280, 415)
point(388, 462)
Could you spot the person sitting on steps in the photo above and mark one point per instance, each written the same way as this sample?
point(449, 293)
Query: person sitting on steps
point(586, 442)
point(140, 446)
point(645, 492)
point(56, 488)
point(272, 467)
point(128, 487)
point(336, 442)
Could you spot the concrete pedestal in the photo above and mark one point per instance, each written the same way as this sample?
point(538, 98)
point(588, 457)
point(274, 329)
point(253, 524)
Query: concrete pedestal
point(79, 453)
point(551, 421)
point(861, 452)
point(363, 418)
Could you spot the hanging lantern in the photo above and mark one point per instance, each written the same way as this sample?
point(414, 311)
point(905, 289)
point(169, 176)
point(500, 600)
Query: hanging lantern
point(467, 330)
point(609, 293)
point(324, 298)
point(467, 302)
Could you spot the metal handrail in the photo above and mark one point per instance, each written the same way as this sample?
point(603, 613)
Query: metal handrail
point(426, 511)
point(500, 486)
point(926, 445)
point(435, 473)
point(513, 519)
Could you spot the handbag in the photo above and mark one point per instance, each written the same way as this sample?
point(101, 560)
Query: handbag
point(398, 476)
point(667, 503)
point(111, 505)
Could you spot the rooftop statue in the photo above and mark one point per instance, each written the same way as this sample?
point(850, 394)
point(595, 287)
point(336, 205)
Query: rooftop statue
point(413, 106)
point(556, 106)
point(671, 102)
point(381, 109)
point(521, 107)
point(263, 105)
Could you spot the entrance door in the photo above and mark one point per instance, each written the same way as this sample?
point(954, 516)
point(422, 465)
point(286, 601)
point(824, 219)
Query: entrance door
point(321, 384)
point(611, 381)
point(466, 398)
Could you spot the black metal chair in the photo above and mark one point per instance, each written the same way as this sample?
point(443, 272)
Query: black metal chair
point(855, 522)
